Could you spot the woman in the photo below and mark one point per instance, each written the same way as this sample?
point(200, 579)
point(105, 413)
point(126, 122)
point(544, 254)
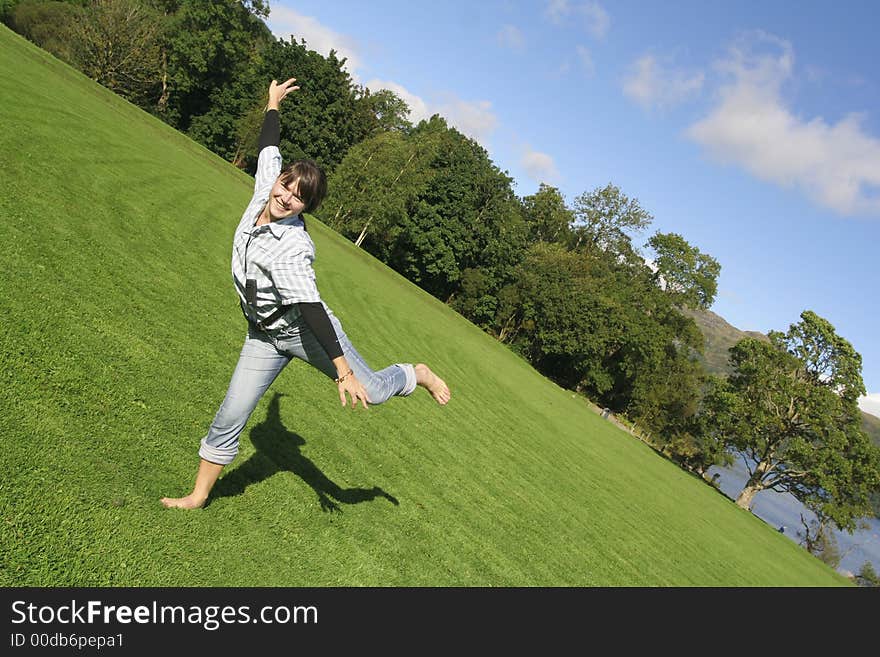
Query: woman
point(272, 259)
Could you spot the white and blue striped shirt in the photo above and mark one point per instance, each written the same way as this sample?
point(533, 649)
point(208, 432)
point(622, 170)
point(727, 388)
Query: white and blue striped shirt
point(278, 255)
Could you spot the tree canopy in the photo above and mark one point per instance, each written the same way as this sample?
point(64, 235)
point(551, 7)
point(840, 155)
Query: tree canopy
point(789, 410)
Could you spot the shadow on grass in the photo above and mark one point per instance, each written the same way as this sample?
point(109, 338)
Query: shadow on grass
point(278, 450)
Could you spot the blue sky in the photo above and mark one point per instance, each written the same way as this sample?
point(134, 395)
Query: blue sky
point(750, 128)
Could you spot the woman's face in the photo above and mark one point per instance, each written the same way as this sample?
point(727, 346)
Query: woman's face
point(284, 201)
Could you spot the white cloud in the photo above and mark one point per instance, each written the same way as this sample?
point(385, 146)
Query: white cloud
point(596, 19)
point(871, 403)
point(418, 108)
point(582, 58)
point(511, 36)
point(557, 10)
point(473, 118)
point(286, 23)
point(837, 165)
point(586, 59)
point(539, 166)
point(650, 84)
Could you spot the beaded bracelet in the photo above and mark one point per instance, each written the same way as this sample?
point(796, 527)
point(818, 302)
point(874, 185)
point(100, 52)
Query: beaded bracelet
point(343, 377)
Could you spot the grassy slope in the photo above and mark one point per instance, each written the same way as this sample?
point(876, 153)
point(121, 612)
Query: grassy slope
point(121, 330)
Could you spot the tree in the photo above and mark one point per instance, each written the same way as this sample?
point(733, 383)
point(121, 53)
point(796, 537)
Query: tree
point(819, 540)
point(374, 186)
point(388, 109)
point(556, 320)
point(867, 576)
point(118, 43)
point(207, 46)
point(604, 219)
point(547, 217)
point(789, 410)
point(829, 360)
point(466, 217)
point(47, 24)
point(685, 273)
point(322, 122)
point(430, 204)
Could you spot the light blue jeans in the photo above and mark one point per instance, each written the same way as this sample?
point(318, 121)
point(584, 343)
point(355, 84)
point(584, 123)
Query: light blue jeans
point(263, 356)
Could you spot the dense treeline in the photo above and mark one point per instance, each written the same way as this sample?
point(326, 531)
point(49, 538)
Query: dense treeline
point(568, 287)
point(202, 68)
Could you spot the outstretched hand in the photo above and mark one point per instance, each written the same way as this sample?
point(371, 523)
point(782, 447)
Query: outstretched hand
point(277, 92)
point(354, 389)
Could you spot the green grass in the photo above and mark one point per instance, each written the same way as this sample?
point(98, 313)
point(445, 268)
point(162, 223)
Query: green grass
point(120, 332)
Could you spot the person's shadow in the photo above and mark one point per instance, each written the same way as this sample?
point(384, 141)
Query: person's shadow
point(278, 450)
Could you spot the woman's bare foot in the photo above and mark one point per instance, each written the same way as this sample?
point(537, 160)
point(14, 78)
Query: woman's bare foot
point(188, 502)
point(432, 383)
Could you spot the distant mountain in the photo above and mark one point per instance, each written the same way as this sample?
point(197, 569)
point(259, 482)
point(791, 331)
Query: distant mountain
point(721, 336)
point(871, 426)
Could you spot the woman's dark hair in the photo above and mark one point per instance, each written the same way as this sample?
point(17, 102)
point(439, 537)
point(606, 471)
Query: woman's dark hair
point(311, 182)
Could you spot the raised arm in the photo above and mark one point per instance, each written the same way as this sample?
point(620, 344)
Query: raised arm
point(269, 159)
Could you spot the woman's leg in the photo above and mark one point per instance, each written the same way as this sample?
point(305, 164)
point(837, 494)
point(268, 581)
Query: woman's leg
point(258, 366)
point(394, 380)
point(399, 379)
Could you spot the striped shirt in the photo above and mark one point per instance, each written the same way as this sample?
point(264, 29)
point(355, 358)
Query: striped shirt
point(278, 255)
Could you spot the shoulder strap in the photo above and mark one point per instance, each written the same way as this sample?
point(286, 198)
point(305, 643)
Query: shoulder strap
point(280, 312)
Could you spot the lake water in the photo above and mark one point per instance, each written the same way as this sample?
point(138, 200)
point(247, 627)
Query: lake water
point(783, 510)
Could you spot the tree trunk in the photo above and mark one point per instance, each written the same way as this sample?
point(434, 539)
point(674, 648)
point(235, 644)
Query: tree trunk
point(754, 485)
point(744, 501)
point(363, 232)
point(162, 105)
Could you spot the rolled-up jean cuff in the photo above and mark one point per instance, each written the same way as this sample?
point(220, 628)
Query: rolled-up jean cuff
point(218, 455)
point(410, 373)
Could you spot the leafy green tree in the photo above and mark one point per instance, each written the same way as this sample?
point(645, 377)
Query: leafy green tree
point(207, 46)
point(388, 109)
point(374, 186)
point(830, 361)
point(602, 327)
point(47, 24)
point(118, 43)
point(685, 273)
point(789, 410)
point(557, 319)
point(323, 121)
point(7, 7)
point(430, 203)
point(605, 218)
point(819, 540)
point(665, 400)
point(547, 217)
point(466, 217)
point(867, 576)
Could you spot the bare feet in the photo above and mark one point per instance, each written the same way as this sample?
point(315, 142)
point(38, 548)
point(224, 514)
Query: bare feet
point(432, 383)
point(188, 502)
